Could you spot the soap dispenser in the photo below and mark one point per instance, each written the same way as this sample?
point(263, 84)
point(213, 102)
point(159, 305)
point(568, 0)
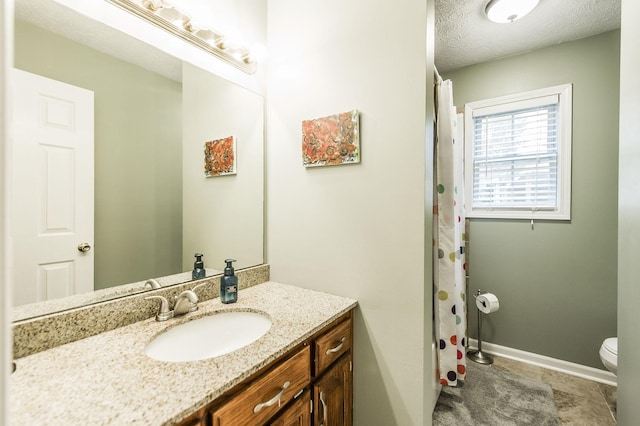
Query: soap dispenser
point(198, 267)
point(229, 284)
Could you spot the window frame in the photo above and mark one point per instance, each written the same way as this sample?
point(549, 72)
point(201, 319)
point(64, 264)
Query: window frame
point(501, 104)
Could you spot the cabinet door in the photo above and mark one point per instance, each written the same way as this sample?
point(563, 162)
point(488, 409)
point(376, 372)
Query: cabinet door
point(298, 414)
point(332, 395)
point(198, 418)
point(264, 397)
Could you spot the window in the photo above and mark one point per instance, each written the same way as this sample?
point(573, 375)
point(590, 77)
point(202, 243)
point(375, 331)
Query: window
point(518, 155)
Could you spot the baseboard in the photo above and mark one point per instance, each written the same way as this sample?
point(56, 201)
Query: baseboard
point(578, 370)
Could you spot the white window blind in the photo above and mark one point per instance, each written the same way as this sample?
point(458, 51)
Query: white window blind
point(517, 163)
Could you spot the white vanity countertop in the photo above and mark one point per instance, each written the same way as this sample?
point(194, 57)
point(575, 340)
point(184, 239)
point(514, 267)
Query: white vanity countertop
point(108, 380)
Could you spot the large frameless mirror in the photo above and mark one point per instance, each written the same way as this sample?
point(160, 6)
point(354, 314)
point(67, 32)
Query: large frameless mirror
point(149, 205)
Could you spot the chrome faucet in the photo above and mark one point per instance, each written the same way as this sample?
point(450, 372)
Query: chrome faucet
point(185, 302)
point(152, 283)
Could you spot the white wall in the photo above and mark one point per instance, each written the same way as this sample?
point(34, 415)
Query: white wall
point(432, 386)
point(357, 230)
point(6, 356)
point(629, 218)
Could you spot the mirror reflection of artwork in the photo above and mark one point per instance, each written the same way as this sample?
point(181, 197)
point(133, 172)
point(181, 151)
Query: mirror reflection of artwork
point(220, 157)
point(331, 140)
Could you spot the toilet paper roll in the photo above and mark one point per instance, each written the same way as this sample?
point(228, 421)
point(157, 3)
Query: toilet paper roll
point(487, 303)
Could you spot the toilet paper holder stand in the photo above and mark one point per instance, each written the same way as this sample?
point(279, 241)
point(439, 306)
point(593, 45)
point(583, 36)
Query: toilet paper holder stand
point(477, 355)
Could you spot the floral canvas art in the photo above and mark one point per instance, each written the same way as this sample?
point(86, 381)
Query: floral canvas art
point(220, 157)
point(331, 140)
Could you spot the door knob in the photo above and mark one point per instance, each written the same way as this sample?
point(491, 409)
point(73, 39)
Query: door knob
point(84, 247)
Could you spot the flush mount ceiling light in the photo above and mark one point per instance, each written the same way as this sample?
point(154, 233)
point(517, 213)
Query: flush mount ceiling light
point(504, 11)
point(169, 18)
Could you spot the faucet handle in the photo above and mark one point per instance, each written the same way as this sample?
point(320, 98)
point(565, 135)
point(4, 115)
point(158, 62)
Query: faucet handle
point(164, 313)
point(199, 285)
point(189, 294)
point(187, 301)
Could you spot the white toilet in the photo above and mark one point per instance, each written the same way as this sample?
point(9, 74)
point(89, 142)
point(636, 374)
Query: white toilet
point(609, 354)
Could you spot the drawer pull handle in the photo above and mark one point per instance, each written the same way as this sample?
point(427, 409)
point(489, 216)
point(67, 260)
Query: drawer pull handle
point(336, 349)
point(324, 409)
point(273, 400)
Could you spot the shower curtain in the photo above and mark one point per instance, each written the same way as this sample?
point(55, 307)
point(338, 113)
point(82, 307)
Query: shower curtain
point(449, 240)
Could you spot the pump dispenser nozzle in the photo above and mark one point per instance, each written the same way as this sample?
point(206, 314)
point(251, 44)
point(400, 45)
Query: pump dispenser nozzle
point(198, 267)
point(229, 268)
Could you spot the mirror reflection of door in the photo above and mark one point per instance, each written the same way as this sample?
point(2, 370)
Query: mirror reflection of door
point(52, 226)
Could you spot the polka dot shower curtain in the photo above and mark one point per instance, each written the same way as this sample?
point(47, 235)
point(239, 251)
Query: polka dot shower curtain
point(449, 238)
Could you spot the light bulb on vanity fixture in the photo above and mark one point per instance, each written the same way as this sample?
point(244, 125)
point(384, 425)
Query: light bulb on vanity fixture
point(257, 53)
point(173, 15)
point(505, 11)
point(166, 16)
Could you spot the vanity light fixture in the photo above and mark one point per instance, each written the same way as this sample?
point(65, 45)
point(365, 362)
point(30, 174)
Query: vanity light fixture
point(505, 11)
point(171, 19)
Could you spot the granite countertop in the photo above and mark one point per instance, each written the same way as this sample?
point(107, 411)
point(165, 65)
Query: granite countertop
point(107, 379)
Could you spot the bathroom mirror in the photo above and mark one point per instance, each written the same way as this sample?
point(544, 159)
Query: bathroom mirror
point(153, 206)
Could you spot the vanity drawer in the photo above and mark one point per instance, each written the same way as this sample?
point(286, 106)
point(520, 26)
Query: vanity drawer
point(266, 395)
point(331, 345)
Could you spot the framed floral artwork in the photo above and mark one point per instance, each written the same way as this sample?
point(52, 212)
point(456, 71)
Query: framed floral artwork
point(220, 157)
point(331, 140)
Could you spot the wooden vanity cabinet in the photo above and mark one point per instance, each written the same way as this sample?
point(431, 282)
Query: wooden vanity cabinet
point(199, 418)
point(264, 397)
point(298, 414)
point(332, 395)
point(311, 385)
point(331, 345)
point(333, 376)
point(195, 421)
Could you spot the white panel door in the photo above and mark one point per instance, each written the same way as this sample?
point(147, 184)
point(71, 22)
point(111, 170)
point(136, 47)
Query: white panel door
point(52, 189)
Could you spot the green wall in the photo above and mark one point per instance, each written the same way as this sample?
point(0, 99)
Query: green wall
point(138, 154)
point(557, 283)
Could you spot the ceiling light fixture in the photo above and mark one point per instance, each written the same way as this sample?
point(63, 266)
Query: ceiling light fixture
point(505, 11)
point(169, 18)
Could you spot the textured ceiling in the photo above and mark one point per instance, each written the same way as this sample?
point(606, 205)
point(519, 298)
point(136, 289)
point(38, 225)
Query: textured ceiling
point(464, 35)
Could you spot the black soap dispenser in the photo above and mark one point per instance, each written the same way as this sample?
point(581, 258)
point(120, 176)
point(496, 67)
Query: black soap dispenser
point(198, 267)
point(229, 284)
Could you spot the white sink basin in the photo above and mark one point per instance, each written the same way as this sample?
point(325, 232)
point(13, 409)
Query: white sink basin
point(208, 337)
